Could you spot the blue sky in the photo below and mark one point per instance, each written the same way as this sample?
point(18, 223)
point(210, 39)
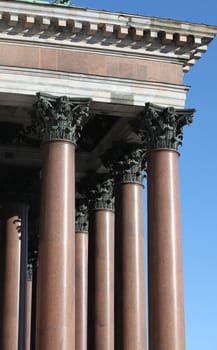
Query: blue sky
point(198, 169)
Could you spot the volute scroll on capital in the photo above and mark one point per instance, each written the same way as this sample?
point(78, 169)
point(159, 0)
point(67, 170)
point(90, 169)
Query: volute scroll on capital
point(126, 161)
point(60, 118)
point(161, 127)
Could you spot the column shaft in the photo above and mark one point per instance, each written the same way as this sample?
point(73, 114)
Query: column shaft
point(34, 306)
point(11, 248)
point(101, 278)
point(130, 268)
point(56, 271)
point(81, 282)
point(166, 315)
point(23, 278)
point(29, 314)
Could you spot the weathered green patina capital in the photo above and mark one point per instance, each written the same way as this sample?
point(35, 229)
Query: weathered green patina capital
point(81, 216)
point(127, 162)
point(59, 117)
point(99, 190)
point(29, 272)
point(162, 127)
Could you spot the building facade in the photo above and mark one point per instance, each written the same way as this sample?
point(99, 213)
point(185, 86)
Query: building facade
point(91, 103)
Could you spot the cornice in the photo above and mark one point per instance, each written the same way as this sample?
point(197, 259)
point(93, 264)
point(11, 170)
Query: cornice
point(115, 32)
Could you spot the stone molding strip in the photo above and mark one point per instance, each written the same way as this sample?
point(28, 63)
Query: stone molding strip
point(101, 89)
point(106, 30)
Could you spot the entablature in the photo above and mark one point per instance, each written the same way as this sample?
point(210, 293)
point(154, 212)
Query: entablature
point(110, 96)
point(115, 33)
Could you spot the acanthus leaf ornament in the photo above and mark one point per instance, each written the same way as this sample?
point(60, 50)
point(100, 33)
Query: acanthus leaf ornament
point(162, 127)
point(29, 272)
point(59, 117)
point(81, 216)
point(99, 190)
point(126, 161)
point(102, 194)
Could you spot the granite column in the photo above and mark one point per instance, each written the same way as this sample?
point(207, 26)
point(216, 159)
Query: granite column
point(29, 307)
point(164, 128)
point(101, 265)
point(128, 162)
point(10, 294)
point(81, 275)
point(58, 123)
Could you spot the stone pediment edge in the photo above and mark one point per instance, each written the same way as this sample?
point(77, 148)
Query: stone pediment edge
point(115, 32)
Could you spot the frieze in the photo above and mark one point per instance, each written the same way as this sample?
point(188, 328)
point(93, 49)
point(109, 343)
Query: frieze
point(59, 117)
point(161, 127)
